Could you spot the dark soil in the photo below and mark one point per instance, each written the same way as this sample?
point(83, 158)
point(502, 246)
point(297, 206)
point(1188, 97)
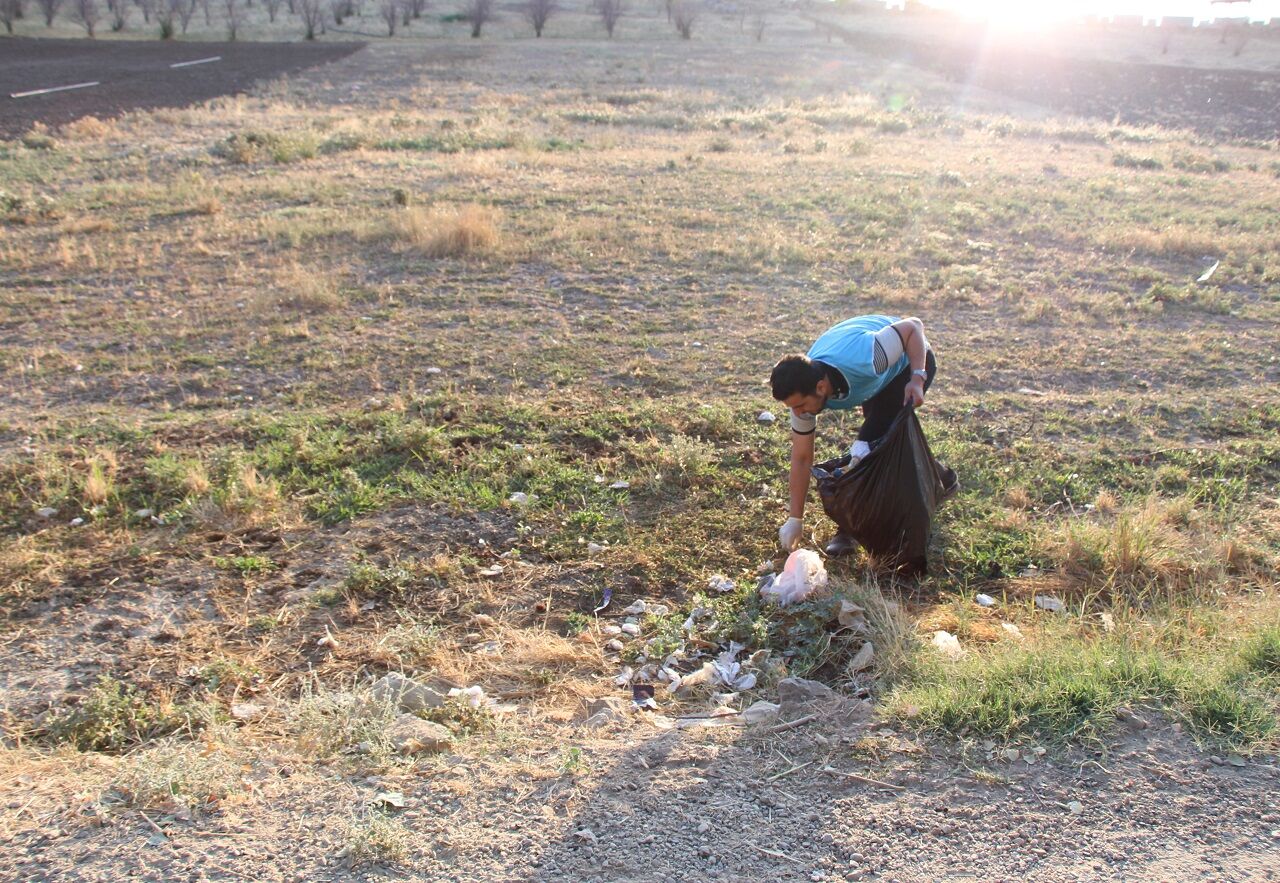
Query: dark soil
point(135, 75)
point(1218, 103)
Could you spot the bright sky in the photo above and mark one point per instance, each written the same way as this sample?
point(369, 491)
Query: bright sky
point(1043, 11)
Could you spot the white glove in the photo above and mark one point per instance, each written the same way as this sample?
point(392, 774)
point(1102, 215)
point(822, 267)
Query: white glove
point(790, 533)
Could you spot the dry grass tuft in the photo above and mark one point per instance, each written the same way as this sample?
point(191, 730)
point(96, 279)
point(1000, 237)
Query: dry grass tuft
point(448, 232)
point(533, 664)
point(303, 288)
point(1156, 550)
point(88, 128)
point(98, 483)
point(178, 772)
point(1181, 241)
point(210, 205)
point(86, 225)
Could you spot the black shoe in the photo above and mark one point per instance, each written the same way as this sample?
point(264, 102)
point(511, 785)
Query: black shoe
point(841, 545)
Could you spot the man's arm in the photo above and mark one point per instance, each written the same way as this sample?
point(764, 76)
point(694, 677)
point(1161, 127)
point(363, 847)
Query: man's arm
point(914, 344)
point(792, 530)
point(801, 463)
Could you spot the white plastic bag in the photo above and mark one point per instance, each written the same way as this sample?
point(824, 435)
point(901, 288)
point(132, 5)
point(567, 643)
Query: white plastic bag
point(802, 575)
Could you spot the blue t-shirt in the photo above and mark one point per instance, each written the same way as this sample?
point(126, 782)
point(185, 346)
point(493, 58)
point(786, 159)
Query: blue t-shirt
point(866, 351)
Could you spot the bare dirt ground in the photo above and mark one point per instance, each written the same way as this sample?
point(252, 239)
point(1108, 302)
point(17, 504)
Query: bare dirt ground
point(136, 75)
point(727, 803)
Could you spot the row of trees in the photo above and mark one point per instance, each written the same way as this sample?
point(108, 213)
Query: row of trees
point(172, 16)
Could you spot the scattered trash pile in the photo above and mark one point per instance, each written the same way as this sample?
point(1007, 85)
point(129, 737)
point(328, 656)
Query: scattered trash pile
point(735, 640)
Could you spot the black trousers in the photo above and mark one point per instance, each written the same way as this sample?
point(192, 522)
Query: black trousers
point(879, 411)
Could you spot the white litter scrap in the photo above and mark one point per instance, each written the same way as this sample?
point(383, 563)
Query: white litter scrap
point(851, 616)
point(948, 645)
point(721, 583)
point(1204, 277)
point(1050, 603)
point(766, 417)
point(473, 696)
point(862, 659)
point(520, 498)
point(620, 485)
point(801, 577)
point(984, 600)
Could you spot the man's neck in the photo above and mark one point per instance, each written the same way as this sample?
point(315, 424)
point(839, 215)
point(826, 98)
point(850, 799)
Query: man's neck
point(839, 386)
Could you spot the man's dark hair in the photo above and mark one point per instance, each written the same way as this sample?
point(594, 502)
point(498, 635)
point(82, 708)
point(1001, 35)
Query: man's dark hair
point(794, 374)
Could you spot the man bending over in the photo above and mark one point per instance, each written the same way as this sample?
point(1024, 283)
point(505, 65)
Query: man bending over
point(880, 363)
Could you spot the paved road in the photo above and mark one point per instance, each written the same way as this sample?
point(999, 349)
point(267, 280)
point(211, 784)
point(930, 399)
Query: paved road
point(136, 74)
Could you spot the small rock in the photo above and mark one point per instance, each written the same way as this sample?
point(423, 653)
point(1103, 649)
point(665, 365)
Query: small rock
point(703, 827)
point(1131, 719)
point(586, 835)
point(247, 711)
point(46, 513)
point(620, 485)
point(594, 548)
point(483, 620)
point(610, 631)
point(520, 498)
point(433, 370)
point(793, 692)
point(614, 646)
point(608, 704)
point(393, 799)
point(630, 628)
point(1012, 630)
point(143, 513)
point(1075, 807)
point(984, 600)
point(413, 735)
point(76, 522)
point(761, 711)
point(766, 417)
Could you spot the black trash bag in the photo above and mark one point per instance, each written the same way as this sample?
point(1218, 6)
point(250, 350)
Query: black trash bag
point(887, 501)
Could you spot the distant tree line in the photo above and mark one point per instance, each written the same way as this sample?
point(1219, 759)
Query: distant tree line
point(173, 17)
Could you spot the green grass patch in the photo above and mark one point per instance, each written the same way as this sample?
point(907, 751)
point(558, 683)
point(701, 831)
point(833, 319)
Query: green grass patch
point(1066, 688)
point(114, 716)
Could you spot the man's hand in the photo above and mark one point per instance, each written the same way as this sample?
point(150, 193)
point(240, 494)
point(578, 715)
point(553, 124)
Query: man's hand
point(914, 394)
point(790, 533)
